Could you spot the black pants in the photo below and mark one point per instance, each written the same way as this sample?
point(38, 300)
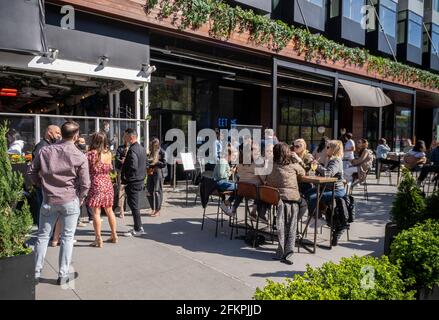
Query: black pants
point(133, 191)
point(154, 186)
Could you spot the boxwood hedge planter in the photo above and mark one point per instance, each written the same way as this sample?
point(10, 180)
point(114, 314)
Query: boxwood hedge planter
point(17, 277)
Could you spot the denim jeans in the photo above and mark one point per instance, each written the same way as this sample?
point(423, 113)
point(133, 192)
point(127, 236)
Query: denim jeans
point(326, 197)
point(225, 185)
point(68, 214)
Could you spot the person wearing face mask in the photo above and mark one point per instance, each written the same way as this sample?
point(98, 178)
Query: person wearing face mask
point(52, 135)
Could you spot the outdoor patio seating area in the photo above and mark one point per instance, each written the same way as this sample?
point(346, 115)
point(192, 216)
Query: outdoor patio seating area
point(178, 260)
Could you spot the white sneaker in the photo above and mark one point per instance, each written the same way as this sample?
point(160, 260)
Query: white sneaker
point(224, 207)
point(230, 212)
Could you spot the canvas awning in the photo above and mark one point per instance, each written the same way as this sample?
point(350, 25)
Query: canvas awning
point(362, 95)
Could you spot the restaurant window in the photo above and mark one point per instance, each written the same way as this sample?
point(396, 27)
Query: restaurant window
point(171, 91)
point(388, 17)
point(403, 124)
point(309, 119)
point(352, 9)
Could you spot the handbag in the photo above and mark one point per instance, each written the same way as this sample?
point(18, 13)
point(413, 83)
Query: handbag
point(150, 171)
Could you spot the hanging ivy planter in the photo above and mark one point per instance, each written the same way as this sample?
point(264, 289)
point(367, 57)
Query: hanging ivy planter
point(276, 35)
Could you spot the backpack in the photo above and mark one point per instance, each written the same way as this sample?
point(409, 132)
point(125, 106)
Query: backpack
point(249, 238)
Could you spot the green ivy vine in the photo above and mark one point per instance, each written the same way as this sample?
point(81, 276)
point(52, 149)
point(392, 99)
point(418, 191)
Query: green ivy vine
point(224, 20)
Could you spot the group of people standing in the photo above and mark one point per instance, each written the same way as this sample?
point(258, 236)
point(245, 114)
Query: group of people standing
point(67, 176)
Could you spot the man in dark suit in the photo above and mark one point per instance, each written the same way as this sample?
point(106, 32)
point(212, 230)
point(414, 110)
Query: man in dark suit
point(133, 176)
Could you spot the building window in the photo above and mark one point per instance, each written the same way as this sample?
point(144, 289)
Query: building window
point(171, 92)
point(414, 33)
point(435, 39)
point(334, 8)
point(352, 9)
point(317, 2)
point(436, 5)
point(302, 118)
point(388, 17)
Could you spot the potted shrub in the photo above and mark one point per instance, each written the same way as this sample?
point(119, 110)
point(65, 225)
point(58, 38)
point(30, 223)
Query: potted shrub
point(416, 251)
point(408, 208)
point(16, 259)
point(354, 278)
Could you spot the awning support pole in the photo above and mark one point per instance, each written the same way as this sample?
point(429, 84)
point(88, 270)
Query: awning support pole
point(274, 93)
point(146, 113)
point(414, 116)
point(334, 107)
point(37, 129)
point(137, 115)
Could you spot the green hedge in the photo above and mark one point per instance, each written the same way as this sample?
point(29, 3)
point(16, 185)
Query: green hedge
point(416, 251)
point(354, 278)
point(15, 224)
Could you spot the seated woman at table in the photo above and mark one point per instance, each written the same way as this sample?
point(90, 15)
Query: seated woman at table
point(416, 157)
point(221, 174)
point(361, 164)
point(246, 171)
point(319, 153)
point(301, 154)
point(284, 177)
point(334, 169)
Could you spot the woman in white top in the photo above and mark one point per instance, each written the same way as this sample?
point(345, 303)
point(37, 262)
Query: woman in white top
point(349, 147)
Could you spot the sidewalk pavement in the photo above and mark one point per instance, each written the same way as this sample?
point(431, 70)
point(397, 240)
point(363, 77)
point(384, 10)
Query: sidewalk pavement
point(176, 260)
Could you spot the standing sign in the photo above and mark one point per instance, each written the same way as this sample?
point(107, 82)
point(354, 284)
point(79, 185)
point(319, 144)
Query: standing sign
point(188, 165)
point(188, 161)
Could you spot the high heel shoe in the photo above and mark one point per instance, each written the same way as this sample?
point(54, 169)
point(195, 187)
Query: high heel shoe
point(113, 239)
point(98, 243)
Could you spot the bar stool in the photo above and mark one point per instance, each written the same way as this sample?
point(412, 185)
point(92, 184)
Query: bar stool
point(270, 196)
point(221, 196)
point(248, 191)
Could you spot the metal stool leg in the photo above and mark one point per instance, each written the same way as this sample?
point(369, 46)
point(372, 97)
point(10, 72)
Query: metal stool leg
point(217, 217)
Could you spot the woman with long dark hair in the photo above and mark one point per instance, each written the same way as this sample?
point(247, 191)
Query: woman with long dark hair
point(154, 183)
point(101, 194)
point(417, 156)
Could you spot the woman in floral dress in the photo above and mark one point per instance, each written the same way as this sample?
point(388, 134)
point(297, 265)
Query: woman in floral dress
point(101, 194)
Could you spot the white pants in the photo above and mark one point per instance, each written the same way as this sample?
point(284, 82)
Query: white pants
point(348, 172)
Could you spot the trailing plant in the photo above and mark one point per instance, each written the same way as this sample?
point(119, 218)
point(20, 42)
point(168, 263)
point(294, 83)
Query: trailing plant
point(224, 19)
point(409, 205)
point(354, 278)
point(416, 251)
point(15, 216)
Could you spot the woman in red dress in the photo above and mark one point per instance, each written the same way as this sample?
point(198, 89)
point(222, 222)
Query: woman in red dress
point(101, 194)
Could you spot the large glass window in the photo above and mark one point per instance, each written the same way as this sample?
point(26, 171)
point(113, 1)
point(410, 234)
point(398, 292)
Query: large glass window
point(352, 9)
point(171, 91)
point(334, 8)
point(435, 39)
point(414, 35)
point(436, 5)
point(388, 17)
point(317, 2)
point(309, 119)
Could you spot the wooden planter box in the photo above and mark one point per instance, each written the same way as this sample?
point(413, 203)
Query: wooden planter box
point(17, 277)
point(390, 233)
point(426, 294)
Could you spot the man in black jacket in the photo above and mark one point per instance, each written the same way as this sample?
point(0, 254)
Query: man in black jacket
point(121, 153)
point(133, 176)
